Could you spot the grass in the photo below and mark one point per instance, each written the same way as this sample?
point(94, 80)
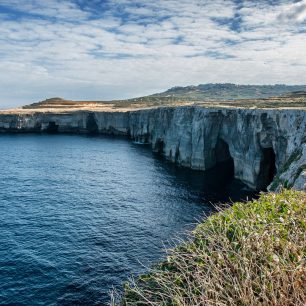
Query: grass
point(148, 102)
point(222, 97)
point(249, 254)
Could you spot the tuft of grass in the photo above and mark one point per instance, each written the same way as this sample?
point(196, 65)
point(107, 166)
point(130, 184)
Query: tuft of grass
point(249, 254)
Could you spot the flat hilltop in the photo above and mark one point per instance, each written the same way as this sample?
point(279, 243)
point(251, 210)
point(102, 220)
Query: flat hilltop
point(206, 95)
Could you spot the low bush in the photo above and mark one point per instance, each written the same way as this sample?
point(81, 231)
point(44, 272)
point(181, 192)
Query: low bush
point(248, 254)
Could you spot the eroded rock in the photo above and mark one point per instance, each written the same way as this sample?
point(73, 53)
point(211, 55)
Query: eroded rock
point(264, 144)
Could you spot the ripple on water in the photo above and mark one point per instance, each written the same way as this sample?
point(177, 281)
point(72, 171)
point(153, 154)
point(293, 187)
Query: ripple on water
point(80, 214)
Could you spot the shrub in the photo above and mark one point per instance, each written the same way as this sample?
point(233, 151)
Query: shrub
point(248, 254)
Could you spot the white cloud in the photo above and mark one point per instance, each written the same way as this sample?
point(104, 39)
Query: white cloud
point(131, 48)
point(295, 12)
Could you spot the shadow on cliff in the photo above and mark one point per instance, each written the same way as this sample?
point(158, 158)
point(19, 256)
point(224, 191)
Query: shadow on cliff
point(52, 128)
point(91, 124)
point(216, 185)
point(224, 162)
point(267, 169)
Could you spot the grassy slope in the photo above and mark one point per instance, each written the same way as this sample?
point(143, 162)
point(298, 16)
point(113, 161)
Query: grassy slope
point(248, 254)
point(206, 95)
point(228, 91)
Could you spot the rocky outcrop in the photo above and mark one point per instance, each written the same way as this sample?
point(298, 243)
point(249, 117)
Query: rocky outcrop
point(264, 145)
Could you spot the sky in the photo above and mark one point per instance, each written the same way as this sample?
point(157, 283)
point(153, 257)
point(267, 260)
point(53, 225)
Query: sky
point(111, 49)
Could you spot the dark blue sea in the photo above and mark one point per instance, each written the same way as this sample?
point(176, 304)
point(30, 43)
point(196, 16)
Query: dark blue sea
point(80, 214)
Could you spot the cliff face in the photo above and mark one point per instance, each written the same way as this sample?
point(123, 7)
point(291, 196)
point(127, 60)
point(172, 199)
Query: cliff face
point(256, 140)
point(263, 144)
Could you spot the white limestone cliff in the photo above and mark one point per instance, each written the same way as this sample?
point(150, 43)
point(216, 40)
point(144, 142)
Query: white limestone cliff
point(263, 143)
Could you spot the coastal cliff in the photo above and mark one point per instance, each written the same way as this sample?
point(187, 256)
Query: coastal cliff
point(267, 146)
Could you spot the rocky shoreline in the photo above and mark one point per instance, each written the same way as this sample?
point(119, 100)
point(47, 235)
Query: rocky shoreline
point(267, 146)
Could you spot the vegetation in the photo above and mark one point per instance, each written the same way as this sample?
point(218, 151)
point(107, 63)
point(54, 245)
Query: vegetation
point(228, 91)
point(248, 254)
point(296, 155)
point(261, 96)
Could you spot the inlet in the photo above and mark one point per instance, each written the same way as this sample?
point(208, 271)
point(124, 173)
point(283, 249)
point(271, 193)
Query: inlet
point(267, 169)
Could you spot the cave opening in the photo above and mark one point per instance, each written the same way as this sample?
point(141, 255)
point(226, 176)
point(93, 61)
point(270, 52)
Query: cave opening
point(91, 124)
point(224, 162)
point(159, 146)
point(267, 169)
point(52, 127)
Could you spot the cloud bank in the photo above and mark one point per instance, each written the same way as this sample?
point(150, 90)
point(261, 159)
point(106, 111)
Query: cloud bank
point(108, 49)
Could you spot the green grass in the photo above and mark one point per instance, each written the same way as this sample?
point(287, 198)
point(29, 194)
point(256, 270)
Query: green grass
point(249, 254)
point(206, 95)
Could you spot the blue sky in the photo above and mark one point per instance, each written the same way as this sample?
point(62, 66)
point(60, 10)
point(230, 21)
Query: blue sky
point(107, 49)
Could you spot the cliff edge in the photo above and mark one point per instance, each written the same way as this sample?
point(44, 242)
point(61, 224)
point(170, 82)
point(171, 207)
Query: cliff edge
point(267, 146)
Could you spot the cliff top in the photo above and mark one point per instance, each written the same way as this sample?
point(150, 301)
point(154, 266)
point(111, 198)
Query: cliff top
point(206, 95)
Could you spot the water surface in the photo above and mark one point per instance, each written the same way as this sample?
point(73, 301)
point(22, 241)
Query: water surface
point(79, 214)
